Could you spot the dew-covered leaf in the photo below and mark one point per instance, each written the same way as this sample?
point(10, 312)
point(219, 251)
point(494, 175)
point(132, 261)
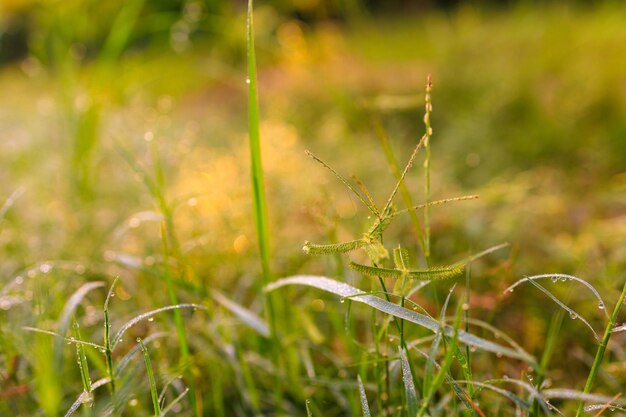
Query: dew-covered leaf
point(344, 290)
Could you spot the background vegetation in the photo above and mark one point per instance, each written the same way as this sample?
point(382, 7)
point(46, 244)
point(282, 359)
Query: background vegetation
point(125, 154)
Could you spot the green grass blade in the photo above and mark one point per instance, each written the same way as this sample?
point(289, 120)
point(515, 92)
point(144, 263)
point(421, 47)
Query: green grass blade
point(434, 347)
point(73, 302)
point(82, 360)
point(258, 187)
point(595, 368)
point(364, 405)
point(409, 385)
point(107, 338)
point(153, 388)
point(144, 316)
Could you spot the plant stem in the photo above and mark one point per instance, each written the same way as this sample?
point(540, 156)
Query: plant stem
point(260, 206)
point(595, 368)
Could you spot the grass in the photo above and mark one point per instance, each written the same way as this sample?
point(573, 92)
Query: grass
point(351, 330)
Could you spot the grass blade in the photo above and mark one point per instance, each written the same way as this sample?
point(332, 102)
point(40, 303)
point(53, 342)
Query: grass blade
point(73, 302)
point(175, 401)
point(246, 316)
point(258, 196)
point(364, 405)
point(409, 385)
point(344, 290)
point(595, 368)
point(153, 388)
point(564, 278)
point(137, 319)
point(573, 315)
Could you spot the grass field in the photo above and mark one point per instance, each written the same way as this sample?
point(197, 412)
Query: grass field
point(126, 188)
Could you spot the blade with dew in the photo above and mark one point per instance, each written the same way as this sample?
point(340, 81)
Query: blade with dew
point(409, 385)
point(344, 290)
point(573, 315)
point(434, 347)
point(69, 340)
point(137, 319)
point(563, 278)
point(364, 405)
point(151, 380)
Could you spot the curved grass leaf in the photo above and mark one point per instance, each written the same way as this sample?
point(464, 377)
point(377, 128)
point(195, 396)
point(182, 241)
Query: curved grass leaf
point(126, 359)
point(564, 278)
point(69, 340)
point(74, 301)
point(525, 405)
point(137, 319)
point(344, 290)
point(573, 315)
point(534, 393)
point(246, 316)
point(84, 398)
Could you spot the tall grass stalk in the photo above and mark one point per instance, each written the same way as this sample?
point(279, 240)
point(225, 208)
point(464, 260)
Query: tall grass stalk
point(260, 206)
point(595, 368)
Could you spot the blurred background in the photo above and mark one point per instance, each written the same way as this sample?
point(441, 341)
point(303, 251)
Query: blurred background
point(529, 106)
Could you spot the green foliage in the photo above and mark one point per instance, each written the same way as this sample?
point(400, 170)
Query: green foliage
point(528, 114)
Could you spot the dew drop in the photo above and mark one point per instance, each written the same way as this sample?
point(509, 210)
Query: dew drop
point(510, 289)
point(601, 305)
point(150, 318)
point(138, 339)
point(247, 80)
point(342, 300)
point(573, 315)
point(465, 306)
point(554, 279)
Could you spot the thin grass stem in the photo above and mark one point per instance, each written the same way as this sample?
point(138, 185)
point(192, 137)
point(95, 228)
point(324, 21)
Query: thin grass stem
point(595, 368)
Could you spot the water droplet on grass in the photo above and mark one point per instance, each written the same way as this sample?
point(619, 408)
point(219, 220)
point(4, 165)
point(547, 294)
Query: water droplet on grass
point(573, 315)
point(601, 305)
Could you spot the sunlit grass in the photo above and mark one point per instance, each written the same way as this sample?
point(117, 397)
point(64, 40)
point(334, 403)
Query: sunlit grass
point(536, 134)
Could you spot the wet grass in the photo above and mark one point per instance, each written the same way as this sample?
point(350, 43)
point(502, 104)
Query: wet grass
point(173, 229)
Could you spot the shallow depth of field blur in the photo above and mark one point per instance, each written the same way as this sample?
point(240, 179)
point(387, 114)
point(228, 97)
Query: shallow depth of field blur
point(529, 112)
